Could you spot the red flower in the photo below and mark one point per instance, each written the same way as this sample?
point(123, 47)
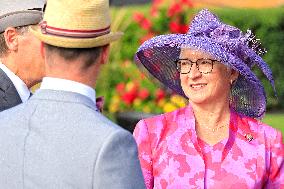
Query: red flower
point(143, 94)
point(120, 88)
point(157, 2)
point(155, 7)
point(128, 97)
point(142, 20)
point(183, 29)
point(154, 11)
point(132, 87)
point(174, 9)
point(187, 2)
point(160, 94)
point(146, 24)
point(138, 17)
point(174, 27)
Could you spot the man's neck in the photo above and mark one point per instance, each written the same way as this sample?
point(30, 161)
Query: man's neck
point(72, 71)
point(12, 65)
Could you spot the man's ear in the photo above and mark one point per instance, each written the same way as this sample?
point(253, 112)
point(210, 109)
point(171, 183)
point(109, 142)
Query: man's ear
point(11, 38)
point(105, 54)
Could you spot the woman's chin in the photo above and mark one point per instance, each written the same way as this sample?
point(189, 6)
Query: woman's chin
point(198, 99)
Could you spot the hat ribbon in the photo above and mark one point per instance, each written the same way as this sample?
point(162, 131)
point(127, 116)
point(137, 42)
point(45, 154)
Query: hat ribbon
point(46, 29)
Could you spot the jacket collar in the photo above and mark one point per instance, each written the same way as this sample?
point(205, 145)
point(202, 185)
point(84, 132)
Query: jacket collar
point(63, 96)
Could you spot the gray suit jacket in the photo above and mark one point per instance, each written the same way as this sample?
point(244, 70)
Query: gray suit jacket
point(57, 140)
point(9, 96)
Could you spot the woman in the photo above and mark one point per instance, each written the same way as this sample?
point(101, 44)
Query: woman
point(214, 142)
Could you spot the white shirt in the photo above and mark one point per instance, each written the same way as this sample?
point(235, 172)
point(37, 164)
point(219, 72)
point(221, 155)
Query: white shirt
point(20, 86)
point(68, 85)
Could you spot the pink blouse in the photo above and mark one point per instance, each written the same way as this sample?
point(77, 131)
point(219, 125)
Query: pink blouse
point(173, 157)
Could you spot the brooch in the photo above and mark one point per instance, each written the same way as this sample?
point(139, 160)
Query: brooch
point(249, 137)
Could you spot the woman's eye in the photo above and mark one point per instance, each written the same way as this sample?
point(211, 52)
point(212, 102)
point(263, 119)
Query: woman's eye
point(205, 62)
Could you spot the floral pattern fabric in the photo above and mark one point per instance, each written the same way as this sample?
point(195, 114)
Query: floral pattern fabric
point(173, 157)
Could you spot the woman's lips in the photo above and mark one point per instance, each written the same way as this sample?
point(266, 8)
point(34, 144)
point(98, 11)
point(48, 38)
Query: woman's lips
point(197, 86)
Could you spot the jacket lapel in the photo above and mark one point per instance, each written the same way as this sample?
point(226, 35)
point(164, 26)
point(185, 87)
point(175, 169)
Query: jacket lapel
point(9, 96)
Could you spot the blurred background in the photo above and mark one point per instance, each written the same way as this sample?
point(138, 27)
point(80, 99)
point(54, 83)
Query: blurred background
point(130, 94)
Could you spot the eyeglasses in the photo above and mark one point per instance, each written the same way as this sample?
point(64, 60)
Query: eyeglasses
point(204, 66)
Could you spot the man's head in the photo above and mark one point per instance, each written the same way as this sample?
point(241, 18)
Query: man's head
point(19, 49)
point(78, 64)
point(76, 35)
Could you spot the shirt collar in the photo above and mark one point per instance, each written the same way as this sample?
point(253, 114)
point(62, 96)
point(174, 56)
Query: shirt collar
point(68, 85)
point(20, 86)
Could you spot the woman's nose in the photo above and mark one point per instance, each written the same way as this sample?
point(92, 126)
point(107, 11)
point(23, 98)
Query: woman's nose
point(194, 72)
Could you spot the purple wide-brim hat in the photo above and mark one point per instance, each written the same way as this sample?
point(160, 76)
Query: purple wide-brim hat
point(227, 43)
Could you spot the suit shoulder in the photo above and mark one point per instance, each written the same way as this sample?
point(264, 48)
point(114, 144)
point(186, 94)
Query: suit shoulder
point(96, 124)
point(13, 112)
point(106, 123)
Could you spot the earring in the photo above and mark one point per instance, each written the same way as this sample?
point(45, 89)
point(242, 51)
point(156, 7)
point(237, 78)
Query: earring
point(231, 82)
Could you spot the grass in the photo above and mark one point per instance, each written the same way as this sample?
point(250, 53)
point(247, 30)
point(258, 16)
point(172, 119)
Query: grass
point(275, 120)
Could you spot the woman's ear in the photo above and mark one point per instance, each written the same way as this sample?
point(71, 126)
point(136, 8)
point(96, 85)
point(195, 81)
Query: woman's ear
point(234, 75)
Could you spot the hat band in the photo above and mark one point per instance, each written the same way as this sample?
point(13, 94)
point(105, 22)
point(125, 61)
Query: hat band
point(45, 29)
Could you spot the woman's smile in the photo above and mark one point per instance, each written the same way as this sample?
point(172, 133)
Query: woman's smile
point(197, 86)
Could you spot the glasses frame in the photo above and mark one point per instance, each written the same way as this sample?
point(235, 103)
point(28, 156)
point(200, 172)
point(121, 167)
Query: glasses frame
point(197, 65)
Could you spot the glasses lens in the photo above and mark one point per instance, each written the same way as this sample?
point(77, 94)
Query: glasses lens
point(184, 66)
point(205, 65)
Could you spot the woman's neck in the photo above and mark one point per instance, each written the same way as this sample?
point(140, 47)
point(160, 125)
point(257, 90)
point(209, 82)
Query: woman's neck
point(212, 121)
point(211, 114)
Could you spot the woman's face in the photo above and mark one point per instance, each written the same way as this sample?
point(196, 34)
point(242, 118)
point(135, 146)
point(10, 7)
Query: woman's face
point(204, 88)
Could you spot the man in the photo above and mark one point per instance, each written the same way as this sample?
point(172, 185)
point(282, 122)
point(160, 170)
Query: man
point(58, 139)
point(21, 65)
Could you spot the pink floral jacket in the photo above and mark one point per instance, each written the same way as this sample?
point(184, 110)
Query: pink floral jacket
point(173, 157)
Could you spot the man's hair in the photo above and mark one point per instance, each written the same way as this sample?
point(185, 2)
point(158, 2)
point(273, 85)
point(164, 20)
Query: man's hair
point(3, 46)
point(89, 55)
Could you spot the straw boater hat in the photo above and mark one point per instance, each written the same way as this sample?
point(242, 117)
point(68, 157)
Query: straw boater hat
point(20, 13)
point(76, 24)
point(227, 43)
